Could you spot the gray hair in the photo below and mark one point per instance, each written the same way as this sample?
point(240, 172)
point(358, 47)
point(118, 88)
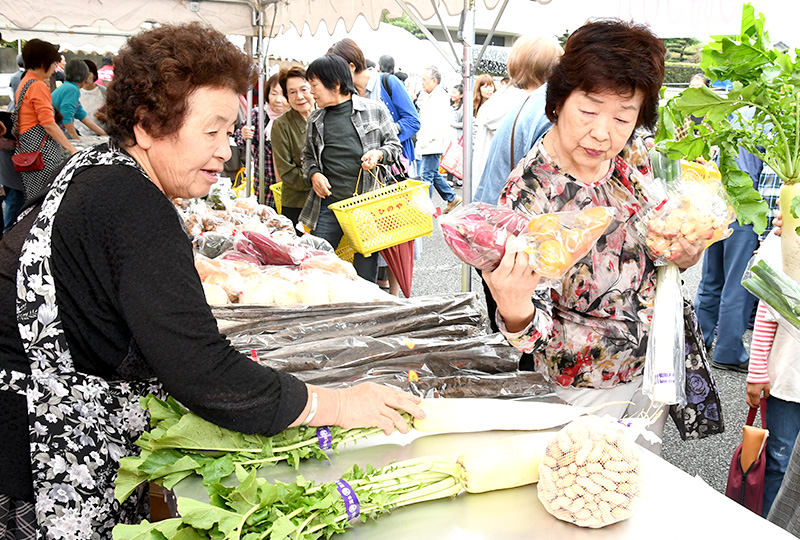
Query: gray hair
point(434, 73)
point(76, 71)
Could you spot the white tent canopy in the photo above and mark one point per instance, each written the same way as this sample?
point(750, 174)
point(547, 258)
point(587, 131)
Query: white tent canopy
point(106, 23)
point(411, 55)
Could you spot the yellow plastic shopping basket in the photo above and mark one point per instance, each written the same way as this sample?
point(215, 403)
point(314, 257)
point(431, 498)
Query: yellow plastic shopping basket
point(384, 217)
point(276, 195)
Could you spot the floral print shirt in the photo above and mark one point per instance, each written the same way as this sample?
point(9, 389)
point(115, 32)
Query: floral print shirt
point(589, 330)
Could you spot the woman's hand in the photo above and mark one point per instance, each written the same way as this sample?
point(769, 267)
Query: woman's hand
point(512, 284)
point(688, 255)
point(375, 405)
point(777, 223)
point(754, 391)
point(248, 132)
point(321, 185)
point(370, 160)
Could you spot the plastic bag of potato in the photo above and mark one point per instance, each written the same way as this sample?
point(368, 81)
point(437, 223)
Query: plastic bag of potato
point(591, 473)
point(693, 209)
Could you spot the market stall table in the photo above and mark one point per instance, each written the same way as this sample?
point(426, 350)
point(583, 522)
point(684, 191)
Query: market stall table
point(673, 505)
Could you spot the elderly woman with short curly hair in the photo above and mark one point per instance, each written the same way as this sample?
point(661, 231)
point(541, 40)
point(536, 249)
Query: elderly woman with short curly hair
point(588, 334)
point(100, 302)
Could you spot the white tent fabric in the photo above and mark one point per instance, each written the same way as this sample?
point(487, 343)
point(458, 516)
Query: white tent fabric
point(411, 55)
point(311, 13)
point(114, 18)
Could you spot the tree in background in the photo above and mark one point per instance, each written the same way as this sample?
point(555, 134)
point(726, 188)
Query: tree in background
point(683, 50)
point(405, 23)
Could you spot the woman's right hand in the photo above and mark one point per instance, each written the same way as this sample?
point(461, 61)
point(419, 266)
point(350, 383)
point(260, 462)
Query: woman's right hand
point(321, 185)
point(512, 284)
point(376, 405)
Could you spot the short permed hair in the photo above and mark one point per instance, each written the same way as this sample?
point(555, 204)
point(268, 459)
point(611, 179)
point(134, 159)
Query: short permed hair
point(610, 54)
point(39, 54)
point(351, 53)
point(76, 71)
point(334, 74)
point(286, 74)
point(157, 71)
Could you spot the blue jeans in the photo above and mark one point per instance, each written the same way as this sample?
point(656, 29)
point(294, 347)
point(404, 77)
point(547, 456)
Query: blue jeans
point(722, 304)
point(429, 165)
point(783, 423)
point(328, 228)
point(14, 200)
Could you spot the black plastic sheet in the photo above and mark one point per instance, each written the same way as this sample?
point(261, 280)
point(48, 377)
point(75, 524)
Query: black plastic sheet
point(431, 346)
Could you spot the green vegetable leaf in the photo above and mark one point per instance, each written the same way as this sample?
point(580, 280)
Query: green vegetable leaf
point(147, 531)
point(795, 206)
point(205, 516)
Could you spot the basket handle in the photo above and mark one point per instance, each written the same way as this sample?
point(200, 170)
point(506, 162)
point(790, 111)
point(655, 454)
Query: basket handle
point(358, 181)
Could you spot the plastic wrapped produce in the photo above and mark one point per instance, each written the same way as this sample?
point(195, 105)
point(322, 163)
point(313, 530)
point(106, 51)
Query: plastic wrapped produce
point(591, 474)
point(477, 234)
point(212, 244)
point(691, 210)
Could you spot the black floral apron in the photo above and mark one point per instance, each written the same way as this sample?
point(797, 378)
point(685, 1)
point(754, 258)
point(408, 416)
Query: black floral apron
point(80, 425)
point(37, 140)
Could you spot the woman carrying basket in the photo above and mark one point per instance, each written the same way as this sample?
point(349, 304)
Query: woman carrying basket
point(346, 135)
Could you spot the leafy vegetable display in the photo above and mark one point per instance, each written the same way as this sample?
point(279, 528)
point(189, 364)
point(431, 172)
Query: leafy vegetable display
point(303, 509)
point(256, 509)
point(181, 443)
point(766, 82)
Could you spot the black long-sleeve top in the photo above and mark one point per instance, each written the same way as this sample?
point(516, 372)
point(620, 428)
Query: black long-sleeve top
point(124, 274)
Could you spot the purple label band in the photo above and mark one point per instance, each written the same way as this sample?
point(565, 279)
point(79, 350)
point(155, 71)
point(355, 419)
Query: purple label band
point(324, 438)
point(349, 497)
point(663, 378)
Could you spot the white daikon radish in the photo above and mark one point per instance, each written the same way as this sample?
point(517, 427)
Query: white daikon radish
point(468, 415)
point(508, 463)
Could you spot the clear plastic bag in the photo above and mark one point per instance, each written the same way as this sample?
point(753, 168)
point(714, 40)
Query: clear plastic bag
point(691, 209)
point(477, 234)
point(591, 474)
point(765, 278)
point(665, 361)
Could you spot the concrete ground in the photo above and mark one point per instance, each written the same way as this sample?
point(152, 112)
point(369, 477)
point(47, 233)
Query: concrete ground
point(439, 271)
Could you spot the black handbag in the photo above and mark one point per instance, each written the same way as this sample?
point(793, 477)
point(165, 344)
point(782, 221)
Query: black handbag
point(702, 414)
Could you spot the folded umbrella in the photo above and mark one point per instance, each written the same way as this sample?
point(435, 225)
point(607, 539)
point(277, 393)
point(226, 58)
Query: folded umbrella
point(400, 259)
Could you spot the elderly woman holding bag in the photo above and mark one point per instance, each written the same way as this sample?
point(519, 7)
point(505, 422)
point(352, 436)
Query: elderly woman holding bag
point(588, 333)
point(346, 138)
point(97, 312)
point(37, 130)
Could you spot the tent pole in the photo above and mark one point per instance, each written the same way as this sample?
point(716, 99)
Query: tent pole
point(467, 32)
point(491, 32)
point(261, 124)
point(422, 28)
point(444, 28)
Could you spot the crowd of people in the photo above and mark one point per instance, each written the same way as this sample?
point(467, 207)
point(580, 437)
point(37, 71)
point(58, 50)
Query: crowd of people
point(91, 313)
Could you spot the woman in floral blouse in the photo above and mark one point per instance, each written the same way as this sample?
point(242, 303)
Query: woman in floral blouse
point(589, 333)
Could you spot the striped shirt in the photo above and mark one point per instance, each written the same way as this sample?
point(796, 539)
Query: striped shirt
point(763, 335)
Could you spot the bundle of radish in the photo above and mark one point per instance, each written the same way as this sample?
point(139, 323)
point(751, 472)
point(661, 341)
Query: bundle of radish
point(591, 473)
point(695, 210)
point(307, 510)
point(477, 234)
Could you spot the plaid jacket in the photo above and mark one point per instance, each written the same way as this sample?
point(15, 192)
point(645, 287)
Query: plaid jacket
point(769, 187)
point(375, 128)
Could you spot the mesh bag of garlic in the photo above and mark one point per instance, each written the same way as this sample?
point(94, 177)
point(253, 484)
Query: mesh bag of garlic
point(591, 473)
